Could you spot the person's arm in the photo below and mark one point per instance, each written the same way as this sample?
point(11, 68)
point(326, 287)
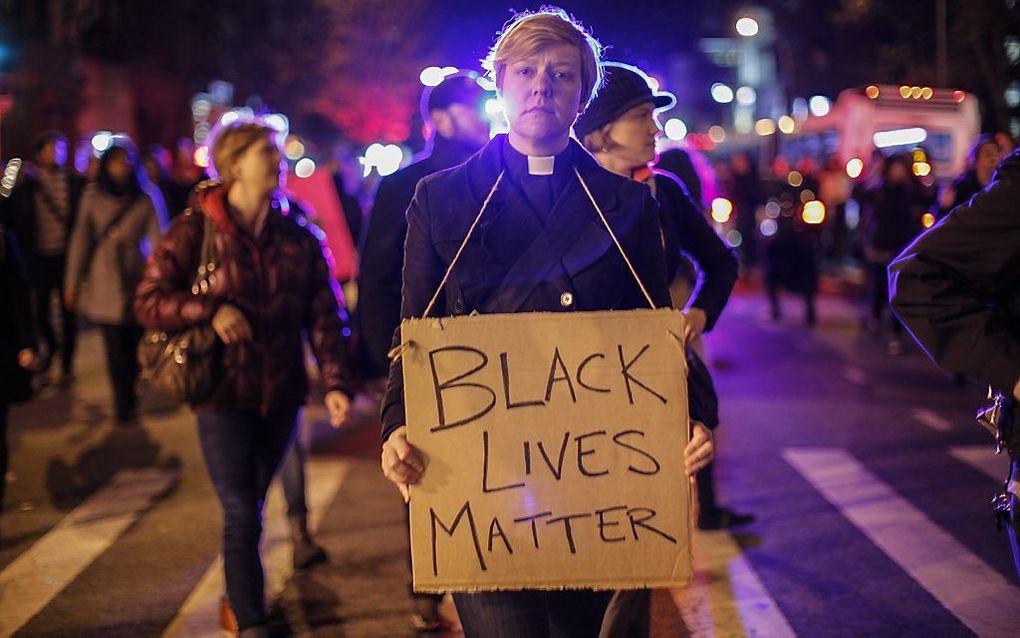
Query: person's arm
point(379, 276)
point(423, 272)
point(324, 323)
point(718, 265)
point(941, 284)
point(163, 299)
point(79, 249)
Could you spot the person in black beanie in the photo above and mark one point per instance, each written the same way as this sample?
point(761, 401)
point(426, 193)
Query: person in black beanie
point(619, 129)
point(454, 108)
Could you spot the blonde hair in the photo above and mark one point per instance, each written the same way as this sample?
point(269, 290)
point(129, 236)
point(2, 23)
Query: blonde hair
point(230, 141)
point(531, 31)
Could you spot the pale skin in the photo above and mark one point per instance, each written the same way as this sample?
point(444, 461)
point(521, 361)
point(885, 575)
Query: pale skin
point(254, 178)
point(541, 96)
point(629, 144)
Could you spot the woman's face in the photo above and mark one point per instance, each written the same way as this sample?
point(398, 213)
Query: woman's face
point(987, 158)
point(541, 93)
point(259, 167)
point(118, 168)
point(632, 136)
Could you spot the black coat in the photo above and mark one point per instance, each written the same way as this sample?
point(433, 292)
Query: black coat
point(570, 263)
point(16, 332)
point(686, 232)
point(957, 286)
point(382, 255)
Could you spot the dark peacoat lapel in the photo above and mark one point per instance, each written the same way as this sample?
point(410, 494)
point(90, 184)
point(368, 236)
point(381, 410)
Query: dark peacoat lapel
point(573, 238)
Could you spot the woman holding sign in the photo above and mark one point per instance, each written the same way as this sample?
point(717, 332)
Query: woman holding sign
point(536, 188)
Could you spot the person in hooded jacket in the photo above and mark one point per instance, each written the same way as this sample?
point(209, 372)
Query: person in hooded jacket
point(120, 218)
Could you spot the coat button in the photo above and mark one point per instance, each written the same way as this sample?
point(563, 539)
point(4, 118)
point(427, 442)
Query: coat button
point(567, 299)
point(458, 306)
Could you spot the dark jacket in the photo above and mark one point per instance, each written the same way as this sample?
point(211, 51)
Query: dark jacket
point(25, 209)
point(890, 219)
point(569, 262)
point(16, 332)
point(382, 255)
point(687, 232)
point(280, 281)
point(957, 286)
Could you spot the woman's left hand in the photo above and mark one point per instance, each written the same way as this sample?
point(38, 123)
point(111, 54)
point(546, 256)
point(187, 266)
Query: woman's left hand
point(338, 405)
point(701, 450)
point(695, 322)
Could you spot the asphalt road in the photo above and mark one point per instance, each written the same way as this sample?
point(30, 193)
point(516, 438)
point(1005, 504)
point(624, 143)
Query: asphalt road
point(870, 482)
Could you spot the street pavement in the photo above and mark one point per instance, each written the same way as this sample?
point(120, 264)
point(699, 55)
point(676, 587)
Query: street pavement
point(869, 479)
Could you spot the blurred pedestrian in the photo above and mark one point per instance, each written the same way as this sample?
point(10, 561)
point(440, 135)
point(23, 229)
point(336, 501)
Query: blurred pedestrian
point(546, 70)
point(17, 339)
point(454, 108)
point(891, 212)
point(744, 190)
point(957, 289)
point(47, 205)
point(120, 220)
point(791, 265)
point(834, 187)
point(271, 284)
point(158, 165)
point(981, 162)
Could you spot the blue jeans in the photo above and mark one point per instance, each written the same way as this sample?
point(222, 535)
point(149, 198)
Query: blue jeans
point(532, 613)
point(242, 450)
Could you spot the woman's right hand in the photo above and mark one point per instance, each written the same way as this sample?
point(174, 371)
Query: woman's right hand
point(401, 462)
point(231, 325)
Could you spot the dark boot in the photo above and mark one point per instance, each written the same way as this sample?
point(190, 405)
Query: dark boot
point(306, 551)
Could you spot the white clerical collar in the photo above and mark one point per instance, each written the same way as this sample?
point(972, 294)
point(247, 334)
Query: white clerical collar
point(538, 165)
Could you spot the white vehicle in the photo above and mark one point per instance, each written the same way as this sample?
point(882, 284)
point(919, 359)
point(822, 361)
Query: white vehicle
point(942, 122)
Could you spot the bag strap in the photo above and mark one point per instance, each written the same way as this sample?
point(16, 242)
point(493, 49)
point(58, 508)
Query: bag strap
point(471, 230)
point(118, 217)
point(616, 241)
point(206, 258)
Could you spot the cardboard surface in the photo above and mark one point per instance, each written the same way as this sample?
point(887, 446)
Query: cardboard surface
point(554, 450)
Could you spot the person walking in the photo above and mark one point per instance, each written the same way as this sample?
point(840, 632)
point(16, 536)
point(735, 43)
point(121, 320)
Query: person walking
point(46, 205)
point(121, 217)
point(546, 70)
point(270, 285)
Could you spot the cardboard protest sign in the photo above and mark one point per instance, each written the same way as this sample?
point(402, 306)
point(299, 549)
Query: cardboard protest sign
point(553, 445)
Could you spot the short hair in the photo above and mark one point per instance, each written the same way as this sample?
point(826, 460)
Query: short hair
point(46, 138)
point(230, 141)
point(531, 31)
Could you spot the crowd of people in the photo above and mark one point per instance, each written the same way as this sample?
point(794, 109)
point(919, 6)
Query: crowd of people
point(122, 251)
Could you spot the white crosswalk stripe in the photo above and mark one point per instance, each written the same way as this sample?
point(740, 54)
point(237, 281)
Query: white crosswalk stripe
point(984, 459)
point(726, 597)
point(32, 580)
point(976, 594)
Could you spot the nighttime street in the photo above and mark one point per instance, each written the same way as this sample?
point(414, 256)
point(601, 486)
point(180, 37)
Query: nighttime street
point(383, 318)
point(861, 469)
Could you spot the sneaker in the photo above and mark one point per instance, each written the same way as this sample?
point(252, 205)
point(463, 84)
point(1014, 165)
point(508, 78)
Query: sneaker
point(227, 620)
point(722, 518)
point(426, 618)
